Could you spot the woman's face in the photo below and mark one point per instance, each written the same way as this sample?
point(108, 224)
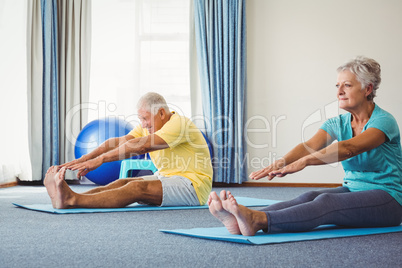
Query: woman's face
point(350, 92)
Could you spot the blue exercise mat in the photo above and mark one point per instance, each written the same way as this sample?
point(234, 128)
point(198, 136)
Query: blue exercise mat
point(245, 201)
point(261, 238)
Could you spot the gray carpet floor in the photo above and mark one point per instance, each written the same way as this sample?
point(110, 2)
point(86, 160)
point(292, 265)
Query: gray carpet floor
point(132, 239)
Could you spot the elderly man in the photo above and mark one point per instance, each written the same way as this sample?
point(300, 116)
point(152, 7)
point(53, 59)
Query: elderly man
point(177, 148)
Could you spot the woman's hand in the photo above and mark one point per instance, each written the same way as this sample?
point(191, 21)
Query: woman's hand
point(289, 169)
point(267, 171)
point(271, 172)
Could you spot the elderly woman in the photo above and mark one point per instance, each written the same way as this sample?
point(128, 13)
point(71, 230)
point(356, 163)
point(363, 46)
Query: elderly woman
point(370, 150)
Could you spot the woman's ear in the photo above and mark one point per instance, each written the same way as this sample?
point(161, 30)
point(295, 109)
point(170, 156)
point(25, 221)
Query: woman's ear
point(369, 89)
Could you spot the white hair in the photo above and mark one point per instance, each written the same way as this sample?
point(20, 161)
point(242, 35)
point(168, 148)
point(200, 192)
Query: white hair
point(367, 72)
point(152, 102)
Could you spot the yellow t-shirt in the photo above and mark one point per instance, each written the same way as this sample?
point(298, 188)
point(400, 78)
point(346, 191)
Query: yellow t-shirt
point(187, 156)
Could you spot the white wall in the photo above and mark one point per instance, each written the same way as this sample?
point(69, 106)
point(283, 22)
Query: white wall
point(294, 48)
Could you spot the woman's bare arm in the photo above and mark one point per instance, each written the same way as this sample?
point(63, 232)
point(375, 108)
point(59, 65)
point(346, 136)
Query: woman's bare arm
point(368, 140)
point(320, 140)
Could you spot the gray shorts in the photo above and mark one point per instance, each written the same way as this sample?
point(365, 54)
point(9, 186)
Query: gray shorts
point(177, 191)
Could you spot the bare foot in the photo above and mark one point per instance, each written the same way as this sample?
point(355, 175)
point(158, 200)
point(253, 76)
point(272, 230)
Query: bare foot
point(56, 187)
point(50, 183)
point(63, 192)
point(249, 221)
point(216, 209)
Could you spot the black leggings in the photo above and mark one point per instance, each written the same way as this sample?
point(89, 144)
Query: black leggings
point(339, 206)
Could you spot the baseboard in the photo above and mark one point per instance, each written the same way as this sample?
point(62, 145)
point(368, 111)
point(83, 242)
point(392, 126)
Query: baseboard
point(215, 184)
point(276, 184)
point(40, 183)
point(9, 184)
point(30, 183)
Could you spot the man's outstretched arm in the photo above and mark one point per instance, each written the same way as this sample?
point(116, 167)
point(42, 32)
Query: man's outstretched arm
point(105, 147)
point(131, 147)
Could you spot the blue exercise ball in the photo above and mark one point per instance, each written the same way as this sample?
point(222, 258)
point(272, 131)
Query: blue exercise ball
point(208, 143)
point(93, 135)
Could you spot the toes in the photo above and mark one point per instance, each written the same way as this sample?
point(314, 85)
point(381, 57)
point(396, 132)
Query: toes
point(209, 199)
point(232, 200)
point(61, 173)
point(223, 195)
point(214, 196)
point(231, 197)
point(50, 170)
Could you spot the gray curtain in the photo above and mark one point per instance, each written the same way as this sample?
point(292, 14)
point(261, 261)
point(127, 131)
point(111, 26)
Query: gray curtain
point(74, 17)
point(67, 91)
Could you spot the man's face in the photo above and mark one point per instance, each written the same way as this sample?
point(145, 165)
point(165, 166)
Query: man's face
point(150, 121)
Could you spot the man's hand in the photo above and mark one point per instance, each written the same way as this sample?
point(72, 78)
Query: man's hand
point(87, 166)
point(68, 165)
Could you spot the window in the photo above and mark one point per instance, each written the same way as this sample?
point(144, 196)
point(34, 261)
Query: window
point(14, 155)
point(138, 46)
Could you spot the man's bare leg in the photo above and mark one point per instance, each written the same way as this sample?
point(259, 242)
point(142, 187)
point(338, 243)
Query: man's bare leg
point(113, 185)
point(216, 209)
point(149, 191)
point(249, 221)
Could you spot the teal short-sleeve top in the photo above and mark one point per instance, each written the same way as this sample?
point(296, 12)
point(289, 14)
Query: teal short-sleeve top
point(379, 168)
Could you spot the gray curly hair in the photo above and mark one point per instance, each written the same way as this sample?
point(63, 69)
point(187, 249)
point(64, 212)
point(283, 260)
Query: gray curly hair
point(367, 71)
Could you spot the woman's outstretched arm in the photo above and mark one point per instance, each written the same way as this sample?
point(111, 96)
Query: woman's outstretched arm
point(319, 141)
point(368, 140)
